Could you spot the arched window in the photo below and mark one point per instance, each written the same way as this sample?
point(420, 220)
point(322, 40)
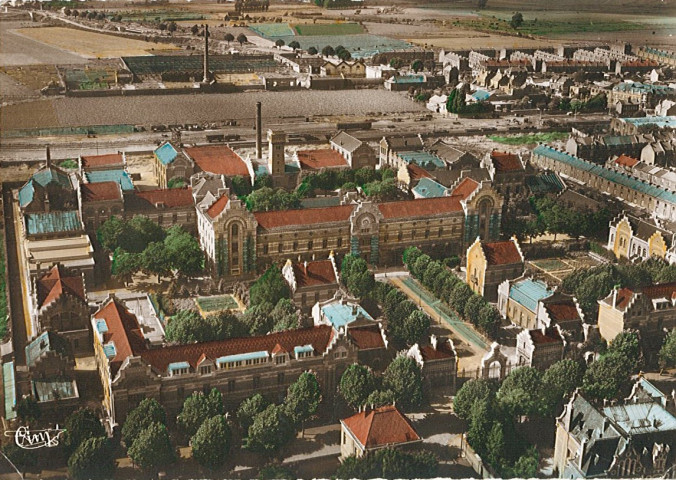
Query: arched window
point(485, 211)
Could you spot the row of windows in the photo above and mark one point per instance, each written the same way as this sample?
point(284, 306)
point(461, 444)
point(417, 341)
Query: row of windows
point(207, 369)
point(309, 245)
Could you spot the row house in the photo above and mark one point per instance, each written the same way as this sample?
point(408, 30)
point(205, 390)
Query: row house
point(645, 94)
point(312, 282)
point(634, 125)
point(651, 198)
point(663, 57)
point(130, 370)
point(438, 362)
point(540, 347)
point(650, 310)
point(342, 68)
point(390, 146)
point(638, 239)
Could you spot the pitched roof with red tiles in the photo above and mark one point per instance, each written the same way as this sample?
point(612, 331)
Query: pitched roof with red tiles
point(562, 311)
point(322, 158)
point(505, 161)
point(366, 337)
point(123, 330)
point(99, 192)
point(624, 295)
point(218, 159)
point(501, 253)
point(551, 335)
point(218, 206)
point(443, 351)
point(314, 273)
point(626, 161)
point(381, 426)
point(164, 197)
point(421, 207)
point(319, 337)
point(307, 216)
point(58, 281)
point(465, 188)
point(112, 160)
point(416, 172)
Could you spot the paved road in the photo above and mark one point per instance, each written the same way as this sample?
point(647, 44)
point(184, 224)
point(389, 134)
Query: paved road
point(16, 301)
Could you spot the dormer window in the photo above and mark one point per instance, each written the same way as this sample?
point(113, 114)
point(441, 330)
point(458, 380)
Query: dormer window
point(178, 368)
point(280, 359)
point(304, 351)
point(243, 359)
point(205, 369)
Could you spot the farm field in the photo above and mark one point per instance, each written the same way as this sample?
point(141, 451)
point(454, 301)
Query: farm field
point(90, 44)
point(531, 138)
point(216, 303)
point(328, 29)
point(16, 49)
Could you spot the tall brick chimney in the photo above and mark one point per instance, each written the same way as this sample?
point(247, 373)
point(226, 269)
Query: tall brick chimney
point(259, 131)
point(206, 54)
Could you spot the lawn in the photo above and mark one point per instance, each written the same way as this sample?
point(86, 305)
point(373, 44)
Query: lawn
point(551, 265)
point(216, 303)
point(319, 29)
point(529, 138)
point(159, 15)
point(272, 30)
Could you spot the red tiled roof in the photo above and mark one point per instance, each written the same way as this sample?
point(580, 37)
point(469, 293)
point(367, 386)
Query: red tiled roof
point(102, 191)
point(308, 216)
point(109, 160)
point(218, 206)
point(505, 161)
point(57, 282)
point(416, 172)
point(562, 312)
point(465, 188)
point(624, 295)
point(315, 273)
point(322, 158)
point(366, 337)
point(421, 207)
point(123, 330)
point(626, 161)
point(551, 335)
point(381, 426)
point(442, 351)
point(319, 337)
point(218, 159)
point(168, 197)
point(501, 253)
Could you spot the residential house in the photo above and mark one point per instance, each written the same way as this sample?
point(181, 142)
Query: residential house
point(638, 239)
point(390, 146)
point(311, 282)
point(438, 362)
point(171, 166)
point(540, 347)
point(491, 263)
point(357, 153)
point(518, 300)
point(342, 68)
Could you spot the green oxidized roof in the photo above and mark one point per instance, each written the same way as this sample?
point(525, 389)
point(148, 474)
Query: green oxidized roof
point(422, 158)
point(52, 222)
point(42, 177)
point(428, 188)
point(166, 153)
point(529, 292)
point(118, 176)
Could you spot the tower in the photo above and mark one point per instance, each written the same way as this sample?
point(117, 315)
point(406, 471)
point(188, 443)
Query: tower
point(206, 54)
point(276, 143)
point(259, 132)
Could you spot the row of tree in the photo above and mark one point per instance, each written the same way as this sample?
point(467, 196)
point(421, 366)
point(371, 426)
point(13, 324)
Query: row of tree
point(456, 103)
point(454, 292)
point(389, 463)
point(555, 218)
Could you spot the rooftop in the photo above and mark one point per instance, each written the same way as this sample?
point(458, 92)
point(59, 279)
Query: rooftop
point(340, 314)
point(218, 159)
point(529, 292)
point(465, 188)
point(308, 216)
point(505, 161)
point(321, 158)
point(346, 141)
point(100, 192)
point(422, 158)
point(162, 198)
point(319, 272)
point(381, 426)
point(56, 282)
point(118, 176)
point(626, 161)
point(420, 207)
point(501, 253)
point(166, 153)
point(43, 177)
point(52, 222)
point(366, 337)
point(98, 161)
point(428, 188)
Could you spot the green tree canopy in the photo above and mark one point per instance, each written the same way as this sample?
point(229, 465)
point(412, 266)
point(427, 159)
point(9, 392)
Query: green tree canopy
point(471, 392)
point(149, 411)
point(125, 264)
point(520, 391)
point(185, 254)
point(380, 398)
point(197, 408)
point(667, 354)
point(559, 381)
point(303, 398)
point(152, 448)
point(211, 443)
point(248, 410)
point(404, 378)
point(356, 384)
point(389, 463)
point(80, 426)
point(93, 459)
point(28, 410)
point(155, 260)
point(285, 316)
point(517, 20)
point(270, 287)
point(270, 430)
point(607, 377)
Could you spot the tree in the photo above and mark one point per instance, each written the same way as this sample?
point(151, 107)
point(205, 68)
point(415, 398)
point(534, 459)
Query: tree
point(20, 457)
point(312, 50)
point(241, 38)
point(473, 308)
point(248, 410)
point(626, 345)
point(417, 65)
point(460, 295)
point(211, 443)
point(481, 3)
point(667, 354)
point(527, 465)
point(414, 328)
point(197, 408)
point(125, 264)
point(229, 37)
point(149, 411)
point(380, 398)
point(152, 448)
point(404, 378)
point(187, 326)
point(258, 319)
point(276, 472)
point(516, 21)
point(80, 426)
point(607, 377)
point(241, 186)
point(328, 51)
point(270, 430)
point(294, 45)
point(279, 43)
point(559, 381)
point(356, 384)
point(155, 260)
point(93, 459)
point(520, 391)
point(480, 424)
point(472, 391)
point(303, 399)
point(28, 410)
point(194, 29)
point(389, 463)
point(111, 232)
point(495, 444)
point(172, 27)
point(489, 320)
point(183, 251)
point(411, 255)
point(162, 26)
point(269, 288)
point(344, 55)
point(285, 316)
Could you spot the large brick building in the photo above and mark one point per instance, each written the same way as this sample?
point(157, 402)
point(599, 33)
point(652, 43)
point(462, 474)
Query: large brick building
point(491, 263)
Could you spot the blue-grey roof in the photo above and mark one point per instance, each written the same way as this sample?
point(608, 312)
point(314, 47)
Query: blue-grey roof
point(262, 169)
point(52, 222)
point(9, 389)
point(661, 122)
point(409, 79)
point(529, 292)
point(166, 153)
point(638, 418)
point(242, 357)
point(428, 188)
point(661, 53)
point(36, 348)
point(43, 178)
point(341, 314)
point(303, 349)
point(636, 87)
point(422, 158)
point(481, 95)
point(610, 175)
point(101, 326)
point(118, 176)
point(177, 366)
point(544, 183)
point(110, 350)
point(57, 389)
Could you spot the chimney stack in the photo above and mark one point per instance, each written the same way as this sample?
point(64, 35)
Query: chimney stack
point(259, 130)
point(206, 54)
point(49, 157)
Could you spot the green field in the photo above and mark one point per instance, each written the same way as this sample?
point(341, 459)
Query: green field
point(551, 265)
point(328, 29)
point(159, 15)
point(217, 303)
point(529, 138)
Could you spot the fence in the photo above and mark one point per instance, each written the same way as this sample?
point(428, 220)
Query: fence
point(474, 460)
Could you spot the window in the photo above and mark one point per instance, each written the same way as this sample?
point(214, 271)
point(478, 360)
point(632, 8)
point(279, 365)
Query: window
point(280, 359)
point(400, 236)
point(205, 369)
point(231, 386)
point(280, 378)
point(295, 246)
point(310, 244)
point(427, 233)
point(325, 243)
point(256, 382)
point(441, 231)
point(265, 249)
point(279, 247)
point(340, 242)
